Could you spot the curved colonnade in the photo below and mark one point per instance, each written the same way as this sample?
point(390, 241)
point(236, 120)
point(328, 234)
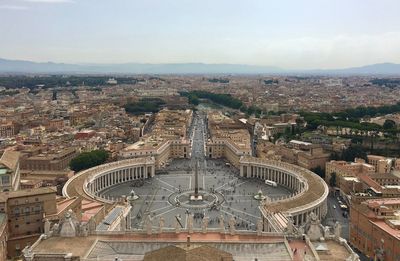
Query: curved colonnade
point(310, 192)
point(99, 178)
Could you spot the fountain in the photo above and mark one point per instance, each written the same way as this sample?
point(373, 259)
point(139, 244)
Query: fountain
point(260, 195)
point(132, 197)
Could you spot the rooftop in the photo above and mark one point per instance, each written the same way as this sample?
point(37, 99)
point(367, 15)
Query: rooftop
point(335, 251)
point(111, 217)
point(26, 192)
point(10, 159)
point(242, 247)
point(387, 228)
point(384, 201)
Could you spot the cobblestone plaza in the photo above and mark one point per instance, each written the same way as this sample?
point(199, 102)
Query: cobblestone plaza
point(219, 183)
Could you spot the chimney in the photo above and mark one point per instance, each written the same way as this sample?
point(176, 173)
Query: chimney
point(188, 241)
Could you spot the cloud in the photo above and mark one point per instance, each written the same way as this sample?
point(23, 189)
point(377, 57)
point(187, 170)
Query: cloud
point(50, 1)
point(13, 7)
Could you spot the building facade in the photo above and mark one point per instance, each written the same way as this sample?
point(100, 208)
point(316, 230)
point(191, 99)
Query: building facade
point(47, 160)
point(375, 228)
point(25, 210)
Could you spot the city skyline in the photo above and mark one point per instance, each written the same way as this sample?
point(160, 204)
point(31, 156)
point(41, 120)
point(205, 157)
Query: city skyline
point(283, 34)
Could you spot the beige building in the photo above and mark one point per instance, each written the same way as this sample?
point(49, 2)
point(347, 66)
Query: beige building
point(304, 154)
point(167, 140)
point(25, 210)
point(382, 164)
point(226, 148)
point(230, 139)
point(42, 159)
point(347, 169)
point(315, 157)
point(162, 150)
point(172, 124)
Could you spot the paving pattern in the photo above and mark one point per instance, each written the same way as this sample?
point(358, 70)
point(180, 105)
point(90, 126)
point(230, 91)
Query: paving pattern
point(238, 197)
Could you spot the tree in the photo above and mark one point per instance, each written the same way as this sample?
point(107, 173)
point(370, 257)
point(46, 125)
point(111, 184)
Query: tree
point(319, 171)
point(354, 151)
point(144, 105)
point(193, 99)
point(221, 99)
point(299, 124)
point(334, 156)
point(389, 124)
point(87, 160)
point(332, 180)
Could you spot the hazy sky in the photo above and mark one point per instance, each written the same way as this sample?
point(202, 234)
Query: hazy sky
point(293, 34)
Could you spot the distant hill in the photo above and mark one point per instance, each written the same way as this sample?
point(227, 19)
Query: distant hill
point(18, 66)
point(14, 66)
point(380, 68)
point(373, 69)
point(21, 67)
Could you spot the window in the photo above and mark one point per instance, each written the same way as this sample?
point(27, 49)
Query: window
point(5, 180)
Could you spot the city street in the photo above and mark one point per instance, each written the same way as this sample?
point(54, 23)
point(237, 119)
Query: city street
point(336, 214)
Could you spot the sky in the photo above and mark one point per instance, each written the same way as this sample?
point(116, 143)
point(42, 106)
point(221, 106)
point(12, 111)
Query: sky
point(290, 34)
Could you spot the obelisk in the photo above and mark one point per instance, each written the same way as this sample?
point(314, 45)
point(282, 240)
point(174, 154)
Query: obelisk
point(196, 196)
point(196, 180)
